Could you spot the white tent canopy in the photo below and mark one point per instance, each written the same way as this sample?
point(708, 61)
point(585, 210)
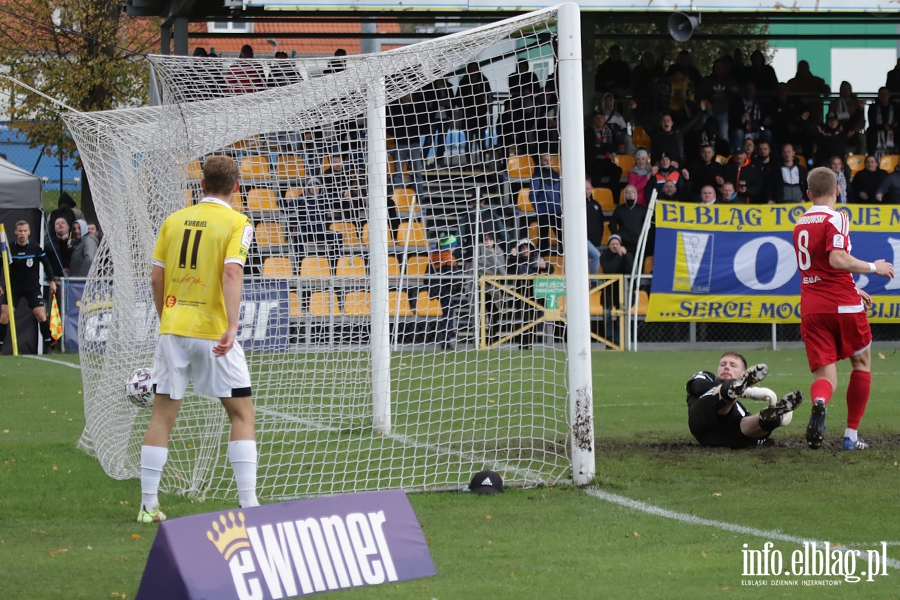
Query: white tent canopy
point(18, 187)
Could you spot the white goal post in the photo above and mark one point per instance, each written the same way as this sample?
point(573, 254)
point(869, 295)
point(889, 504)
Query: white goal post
point(382, 188)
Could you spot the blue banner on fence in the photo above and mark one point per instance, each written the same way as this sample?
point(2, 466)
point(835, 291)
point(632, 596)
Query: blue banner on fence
point(72, 297)
point(737, 263)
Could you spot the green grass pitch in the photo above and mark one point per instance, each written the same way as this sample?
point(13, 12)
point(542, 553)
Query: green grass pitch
point(67, 530)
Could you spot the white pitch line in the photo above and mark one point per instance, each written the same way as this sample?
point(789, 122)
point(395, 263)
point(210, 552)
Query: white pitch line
point(694, 520)
point(50, 360)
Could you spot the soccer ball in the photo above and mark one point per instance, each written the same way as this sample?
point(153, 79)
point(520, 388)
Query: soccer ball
point(139, 388)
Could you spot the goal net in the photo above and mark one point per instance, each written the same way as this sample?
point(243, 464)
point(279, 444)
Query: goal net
point(404, 311)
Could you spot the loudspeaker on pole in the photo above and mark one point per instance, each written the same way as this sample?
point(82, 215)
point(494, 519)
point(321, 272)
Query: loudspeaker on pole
point(682, 26)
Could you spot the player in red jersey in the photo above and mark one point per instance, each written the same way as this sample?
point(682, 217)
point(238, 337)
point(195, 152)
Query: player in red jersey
point(833, 321)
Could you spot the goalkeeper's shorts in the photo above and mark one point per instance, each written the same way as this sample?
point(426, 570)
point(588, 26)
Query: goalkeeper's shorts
point(180, 360)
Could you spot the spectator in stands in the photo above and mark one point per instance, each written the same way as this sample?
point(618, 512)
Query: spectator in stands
point(746, 118)
point(616, 122)
point(407, 122)
point(665, 171)
point(245, 77)
point(84, 249)
point(547, 202)
point(739, 70)
point(628, 219)
point(761, 75)
point(892, 83)
point(526, 260)
point(482, 218)
point(708, 194)
point(595, 225)
point(94, 229)
point(615, 260)
point(336, 64)
point(789, 183)
point(718, 89)
point(788, 124)
point(472, 96)
point(639, 176)
point(750, 148)
point(702, 173)
point(644, 80)
point(669, 191)
point(66, 201)
point(546, 121)
point(336, 180)
point(767, 169)
point(444, 262)
point(889, 190)
point(314, 215)
point(707, 135)
point(865, 184)
point(437, 95)
point(849, 111)
point(667, 140)
point(809, 87)
point(60, 253)
point(613, 75)
point(679, 94)
point(683, 62)
point(200, 52)
point(842, 174)
point(522, 82)
point(741, 173)
point(491, 263)
point(728, 195)
point(831, 140)
point(282, 73)
point(599, 146)
point(883, 121)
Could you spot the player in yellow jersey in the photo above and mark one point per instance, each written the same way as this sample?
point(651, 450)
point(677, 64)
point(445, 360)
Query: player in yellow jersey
point(197, 280)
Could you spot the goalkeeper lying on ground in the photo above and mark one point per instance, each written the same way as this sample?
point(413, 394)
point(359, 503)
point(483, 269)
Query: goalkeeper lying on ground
point(717, 418)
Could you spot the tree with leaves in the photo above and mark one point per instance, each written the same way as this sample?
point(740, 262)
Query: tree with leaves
point(85, 54)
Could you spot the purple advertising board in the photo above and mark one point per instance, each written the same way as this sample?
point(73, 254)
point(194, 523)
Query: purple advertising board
point(287, 550)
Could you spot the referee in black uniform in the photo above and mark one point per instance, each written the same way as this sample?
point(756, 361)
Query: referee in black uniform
point(715, 416)
point(24, 278)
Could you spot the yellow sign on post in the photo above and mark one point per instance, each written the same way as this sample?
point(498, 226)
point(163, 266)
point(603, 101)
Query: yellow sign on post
point(7, 260)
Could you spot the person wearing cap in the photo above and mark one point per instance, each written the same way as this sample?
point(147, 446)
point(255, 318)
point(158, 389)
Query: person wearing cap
point(615, 260)
point(664, 171)
point(831, 140)
point(743, 175)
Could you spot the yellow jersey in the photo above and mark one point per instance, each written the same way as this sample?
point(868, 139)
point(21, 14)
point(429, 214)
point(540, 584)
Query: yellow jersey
point(193, 247)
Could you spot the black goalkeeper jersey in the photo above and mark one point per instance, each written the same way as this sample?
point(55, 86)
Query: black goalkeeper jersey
point(706, 424)
point(24, 272)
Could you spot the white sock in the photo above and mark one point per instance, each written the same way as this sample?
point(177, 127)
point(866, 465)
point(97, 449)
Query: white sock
point(242, 454)
point(851, 433)
point(153, 459)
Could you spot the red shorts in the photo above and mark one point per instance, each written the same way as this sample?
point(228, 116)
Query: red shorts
point(833, 337)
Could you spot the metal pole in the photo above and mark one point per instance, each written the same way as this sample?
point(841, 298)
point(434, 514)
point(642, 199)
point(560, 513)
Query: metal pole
point(378, 259)
point(475, 248)
point(571, 113)
point(774, 336)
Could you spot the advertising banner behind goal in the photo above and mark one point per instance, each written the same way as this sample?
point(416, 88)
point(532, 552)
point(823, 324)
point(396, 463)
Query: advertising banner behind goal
point(737, 264)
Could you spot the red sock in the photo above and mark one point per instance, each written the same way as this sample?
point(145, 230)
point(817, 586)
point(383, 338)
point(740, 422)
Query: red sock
point(821, 388)
point(857, 397)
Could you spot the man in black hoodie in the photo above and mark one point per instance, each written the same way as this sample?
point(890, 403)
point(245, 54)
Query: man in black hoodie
point(628, 220)
point(595, 222)
point(703, 172)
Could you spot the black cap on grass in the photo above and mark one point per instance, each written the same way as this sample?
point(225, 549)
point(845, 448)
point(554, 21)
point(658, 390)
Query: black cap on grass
point(486, 482)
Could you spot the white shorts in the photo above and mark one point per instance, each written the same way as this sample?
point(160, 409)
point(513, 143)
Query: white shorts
point(179, 360)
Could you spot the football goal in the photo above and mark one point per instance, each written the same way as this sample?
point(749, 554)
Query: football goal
point(385, 190)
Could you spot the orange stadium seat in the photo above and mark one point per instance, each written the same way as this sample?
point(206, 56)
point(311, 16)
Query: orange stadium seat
point(640, 138)
point(261, 200)
point(350, 266)
point(412, 233)
point(323, 304)
point(278, 266)
point(315, 267)
point(358, 304)
point(348, 232)
point(398, 304)
point(519, 167)
point(523, 200)
point(365, 235)
point(290, 167)
point(269, 234)
point(416, 266)
point(604, 197)
point(255, 167)
point(428, 307)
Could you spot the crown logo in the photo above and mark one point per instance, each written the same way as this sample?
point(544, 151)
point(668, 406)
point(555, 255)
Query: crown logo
point(231, 537)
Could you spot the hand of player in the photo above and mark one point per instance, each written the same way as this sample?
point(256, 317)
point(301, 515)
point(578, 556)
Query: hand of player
point(866, 298)
point(226, 343)
point(884, 268)
point(52, 286)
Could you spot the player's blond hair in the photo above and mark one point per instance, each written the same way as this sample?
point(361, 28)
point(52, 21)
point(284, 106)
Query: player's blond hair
point(220, 173)
point(25, 223)
point(822, 183)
